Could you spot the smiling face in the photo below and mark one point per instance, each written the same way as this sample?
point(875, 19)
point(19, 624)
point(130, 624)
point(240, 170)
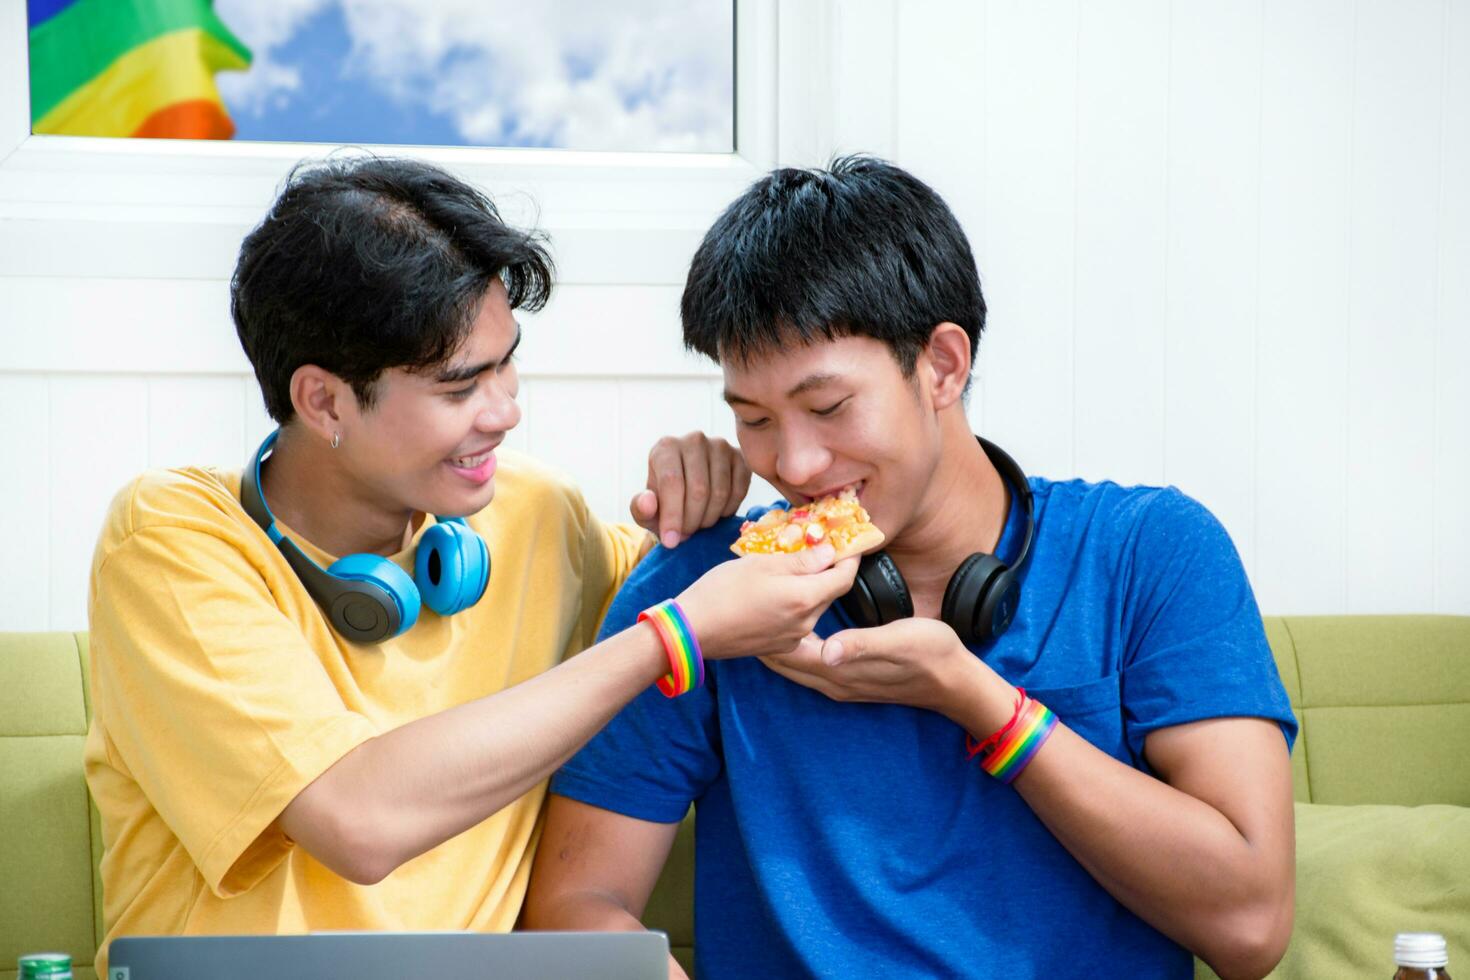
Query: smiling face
point(814, 418)
point(427, 442)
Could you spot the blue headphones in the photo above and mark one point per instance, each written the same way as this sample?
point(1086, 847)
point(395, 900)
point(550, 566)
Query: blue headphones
point(367, 597)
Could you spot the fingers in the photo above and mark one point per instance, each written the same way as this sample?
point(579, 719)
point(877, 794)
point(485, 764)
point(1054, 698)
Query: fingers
point(644, 508)
point(739, 483)
point(825, 586)
point(721, 460)
point(666, 480)
point(812, 560)
point(694, 459)
point(841, 648)
point(693, 481)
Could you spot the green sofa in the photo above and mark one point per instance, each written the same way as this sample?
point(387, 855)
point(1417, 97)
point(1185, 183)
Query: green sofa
point(1382, 773)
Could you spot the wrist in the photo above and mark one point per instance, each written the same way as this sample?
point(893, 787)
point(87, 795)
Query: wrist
point(979, 700)
point(647, 651)
point(681, 646)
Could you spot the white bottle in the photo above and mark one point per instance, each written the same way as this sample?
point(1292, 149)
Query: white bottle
point(1420, 956)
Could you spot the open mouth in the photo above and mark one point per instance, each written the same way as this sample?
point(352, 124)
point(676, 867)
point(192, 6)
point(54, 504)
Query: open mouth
point(856, 488)
point(477, 468)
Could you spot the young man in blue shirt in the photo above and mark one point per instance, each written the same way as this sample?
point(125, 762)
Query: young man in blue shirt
point(844, 829)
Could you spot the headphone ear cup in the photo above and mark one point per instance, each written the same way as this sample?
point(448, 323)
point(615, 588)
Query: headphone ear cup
point(879, 594)
point(966, 594)
point(998, 606)
point(373, 598)
point(451, 567)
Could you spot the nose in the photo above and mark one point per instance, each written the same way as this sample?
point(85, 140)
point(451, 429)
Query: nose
point(500, 412)
point(800, 458)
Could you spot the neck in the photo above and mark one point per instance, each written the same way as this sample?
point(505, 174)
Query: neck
point(310, 490)
point(963, 510)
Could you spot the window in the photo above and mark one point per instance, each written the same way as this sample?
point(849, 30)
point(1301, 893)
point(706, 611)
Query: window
point(636, 75)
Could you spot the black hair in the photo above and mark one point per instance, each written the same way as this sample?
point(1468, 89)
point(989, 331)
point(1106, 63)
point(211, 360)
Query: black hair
point(860, 248)
point(367, 263)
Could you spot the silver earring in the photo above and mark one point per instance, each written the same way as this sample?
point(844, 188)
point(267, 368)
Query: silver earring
point(336, 439)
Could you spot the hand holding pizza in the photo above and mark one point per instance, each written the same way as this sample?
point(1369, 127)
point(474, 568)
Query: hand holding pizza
point(764, 604)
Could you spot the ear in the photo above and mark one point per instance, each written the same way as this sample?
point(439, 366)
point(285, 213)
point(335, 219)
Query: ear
point(946, 359)
point(321, 399)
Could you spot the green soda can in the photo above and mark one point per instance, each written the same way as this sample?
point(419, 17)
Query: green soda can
point(45, 966)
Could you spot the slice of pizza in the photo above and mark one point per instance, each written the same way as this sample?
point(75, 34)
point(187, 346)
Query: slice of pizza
point(840, 520)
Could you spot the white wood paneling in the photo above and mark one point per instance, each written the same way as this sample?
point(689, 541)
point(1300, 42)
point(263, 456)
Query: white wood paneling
point(939, 129)
point(647, 411)
point(1122, 132)
point(941, 105)
point(1026, 362)
point(144, 326)
point(1394, 272)
point(1301, 448)
point(1214, 206)
point(1450, 531)
point(153, 326)
point(195, 421)
point(573, 425)
point(864, 93)
point(26, 515)
point(98, 441)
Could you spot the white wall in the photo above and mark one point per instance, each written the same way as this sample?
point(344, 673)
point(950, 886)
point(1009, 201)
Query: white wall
point(1223, 247)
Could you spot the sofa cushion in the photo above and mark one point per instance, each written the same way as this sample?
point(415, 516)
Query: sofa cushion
point(1366, 872)
point(1384, 705)
point(47, 897)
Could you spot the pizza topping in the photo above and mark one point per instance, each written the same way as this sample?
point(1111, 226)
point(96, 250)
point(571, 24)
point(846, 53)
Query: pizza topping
point(841, 520)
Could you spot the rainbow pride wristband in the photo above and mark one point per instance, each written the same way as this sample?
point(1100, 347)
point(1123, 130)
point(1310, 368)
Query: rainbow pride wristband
point(686, 662)
point(1020, 745)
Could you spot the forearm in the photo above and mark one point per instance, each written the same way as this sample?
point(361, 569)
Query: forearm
point(587, 911)
point(409, 790)
point(1176, 861)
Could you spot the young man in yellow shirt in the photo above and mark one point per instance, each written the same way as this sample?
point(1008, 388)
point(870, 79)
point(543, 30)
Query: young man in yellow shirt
point(256, 768)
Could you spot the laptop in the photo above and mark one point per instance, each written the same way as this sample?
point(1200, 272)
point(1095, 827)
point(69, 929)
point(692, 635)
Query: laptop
point(393, 956)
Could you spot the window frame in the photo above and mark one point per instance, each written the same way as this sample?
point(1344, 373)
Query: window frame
point(112, 186)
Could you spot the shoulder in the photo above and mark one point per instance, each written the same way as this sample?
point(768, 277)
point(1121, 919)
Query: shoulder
point(665, 572)
point(702, 551)
point(198, 499)
point(1125, 514)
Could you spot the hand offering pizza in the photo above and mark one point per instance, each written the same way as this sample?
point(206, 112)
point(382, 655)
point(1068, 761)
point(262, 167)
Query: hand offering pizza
point(840, 520)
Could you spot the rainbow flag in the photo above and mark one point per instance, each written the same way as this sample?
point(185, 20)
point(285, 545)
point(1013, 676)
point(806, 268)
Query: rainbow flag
point(130, 68)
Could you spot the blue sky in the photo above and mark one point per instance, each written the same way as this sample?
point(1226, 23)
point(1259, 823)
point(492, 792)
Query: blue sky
point(330, 106)
point(637, 75)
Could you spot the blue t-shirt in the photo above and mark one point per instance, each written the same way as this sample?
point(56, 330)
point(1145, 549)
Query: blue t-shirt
point(849, 840)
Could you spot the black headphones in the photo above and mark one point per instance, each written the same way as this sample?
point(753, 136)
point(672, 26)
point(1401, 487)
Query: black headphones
point(982, 594)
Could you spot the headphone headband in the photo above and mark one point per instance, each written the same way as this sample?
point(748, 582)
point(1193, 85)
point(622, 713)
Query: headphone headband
point(983, 592)
point(367, 597)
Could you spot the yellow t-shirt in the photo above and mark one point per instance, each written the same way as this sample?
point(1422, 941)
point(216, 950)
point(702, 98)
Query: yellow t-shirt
point(220, 691)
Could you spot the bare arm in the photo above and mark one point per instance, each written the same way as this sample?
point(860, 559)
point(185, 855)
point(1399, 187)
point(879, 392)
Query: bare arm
point(367, 814)
point(396, 796)
point(1205, 854)
point(595, 870)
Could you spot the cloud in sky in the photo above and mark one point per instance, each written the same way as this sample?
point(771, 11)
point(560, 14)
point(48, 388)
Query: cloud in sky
point(635, 75)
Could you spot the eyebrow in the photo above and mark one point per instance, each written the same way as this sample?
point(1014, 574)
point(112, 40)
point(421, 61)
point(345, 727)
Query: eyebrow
point(806, 384)
point(452, 374)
